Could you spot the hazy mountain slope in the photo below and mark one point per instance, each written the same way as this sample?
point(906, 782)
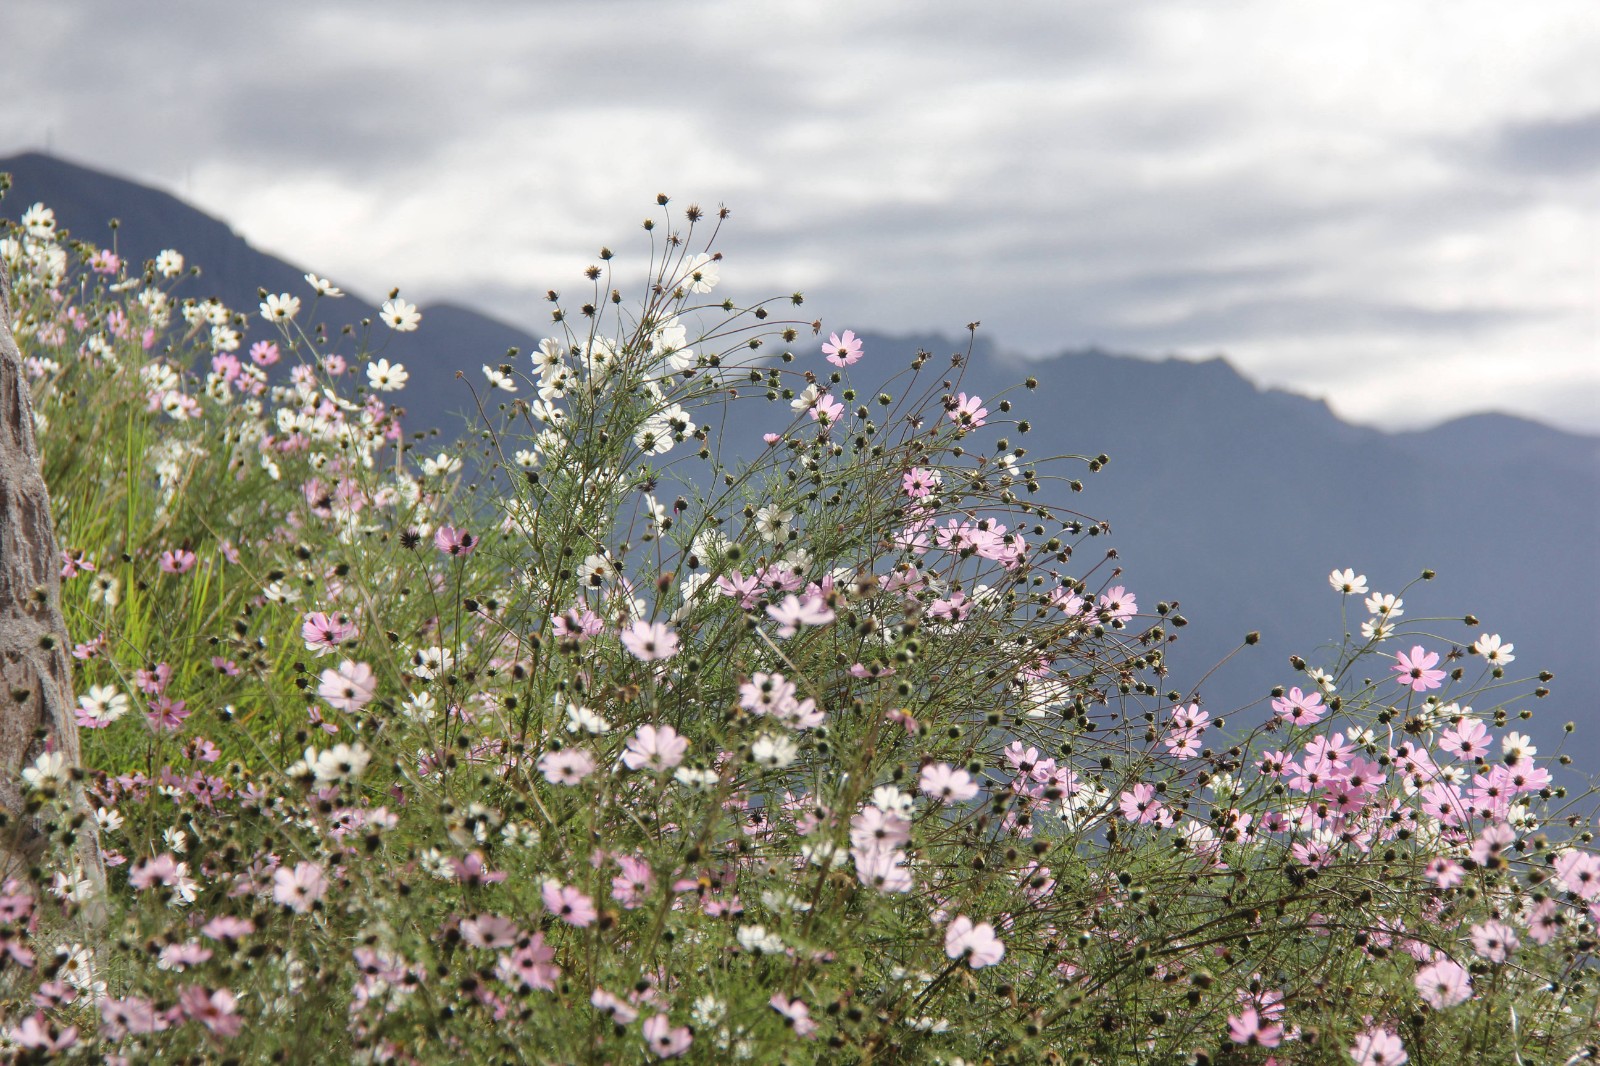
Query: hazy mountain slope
point(1233, 500)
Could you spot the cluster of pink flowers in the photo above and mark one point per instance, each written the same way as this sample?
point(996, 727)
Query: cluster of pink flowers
point(748, 803)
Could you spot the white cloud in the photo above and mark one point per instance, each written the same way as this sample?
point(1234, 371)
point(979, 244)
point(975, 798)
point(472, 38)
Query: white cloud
point(1389, 205)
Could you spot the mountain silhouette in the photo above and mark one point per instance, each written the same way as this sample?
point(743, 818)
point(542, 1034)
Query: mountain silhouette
point(1233, 500)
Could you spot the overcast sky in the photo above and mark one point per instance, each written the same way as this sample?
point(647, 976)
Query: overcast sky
point(1389, 204)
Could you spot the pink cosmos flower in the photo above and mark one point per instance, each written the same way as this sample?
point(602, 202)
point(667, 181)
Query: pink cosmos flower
point(490, 931)
point(969, 412)
point(1246, 1028)
point(1301, 708)
point(167, 715)
point(177, 561)
point(567, 766)
point(228, 928)
point(453, 541)
point(793, 612)
point(614, 1005)
point(946, 783)
point(744, 589)
point(1312, 854)
point(471, 870)
point(530, 966)
point(1121, 603)
point(324, 633)
point(1491, 842)
point(299, 888)
point(872, 827)
point(568, 904)
point(955, 608)
point(664, 1040)
point(119, 1017)
point(796, 1015)
point(765, 693)
point(348, 688)
point(180, 957)
point(1415, 669)
point(1379, 1047)
point(882, 868)
point(842, 351)
point(826, 410)
point(1544, 922)
point(578, 624)
point(650, 641)
point(264, 353)
point(1184, 743)
point(1466, 741)
point(36, 1034)
point(155, 681)
point(1444, 872)
point(1580, 872)
point(657, 748)
point(918, 482)
point(1443, 984)
point(162, 870)
point(1443, 801)
point(975, 943)
point(74, 563)
point(1140, 806)
point(634, 882)
point(1494, 940)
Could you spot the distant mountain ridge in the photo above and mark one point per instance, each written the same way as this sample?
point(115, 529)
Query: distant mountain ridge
point(1232, 499)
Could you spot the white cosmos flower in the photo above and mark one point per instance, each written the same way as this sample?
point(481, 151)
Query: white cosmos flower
point(431, 662)
point(1385, 605)
point(774, 752)
point(1376, 630)
point(694, 779)
point(39, 221)
point(340, 763)
point(499, 378)
point(553, 383)
point(596, 570)
point(169, 264)
point(225, 339)
point(323, 286)
point(654, 436)
point(280, 308)
point(215, 312)
point(441, 465)
point(103, 703)
point(1491, 649)
point(1518, 748)
point(400, 316)
point(755, 938)
point(701, 273)
point(891, 800)
point(385, 376)
point(1348, 582)
point(48, 772)
point(549, 354)
point(583, 720)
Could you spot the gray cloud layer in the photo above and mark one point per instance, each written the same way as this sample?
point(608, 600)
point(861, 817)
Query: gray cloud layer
point(1393, 206)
